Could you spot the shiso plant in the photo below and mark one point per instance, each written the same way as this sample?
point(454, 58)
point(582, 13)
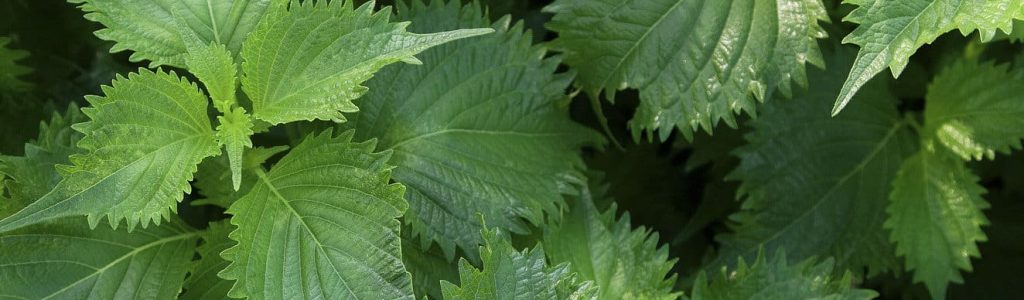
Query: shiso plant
point(498, 149)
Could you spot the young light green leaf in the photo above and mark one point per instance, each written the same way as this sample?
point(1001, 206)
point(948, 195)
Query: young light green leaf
point(213, 65)
point(144, 140)
point(695, 62)
point(817, 185)
point(511, 274)
point(479, 128)
point(65, 259)
point(308, 62)
point(10, 70)
point(975, 109)
point(154, 29)
point(234, 134)
point(777, 279)
point(624, 263)
point(890, 31)
point(935, 218)
point(33, 175)
point(214, 177)
point(325, 218)
point(203, 282)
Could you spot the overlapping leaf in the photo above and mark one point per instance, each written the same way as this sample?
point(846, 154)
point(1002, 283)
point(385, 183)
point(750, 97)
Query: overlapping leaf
point(144, 140)
point(67, 260)
point(511, 274)
point(777, 279)
point(322, 224)
point(64, 259)
point(11, 69)
point(972, 111)
point(154, 29)
point(695, 62)
point(890, 31)
point(33, 175)
point(428, 267)
point(308, 62)
point(817, 185)
point(975, 109)
point(479, 128)
point(203, 282)
point(19, 114)
point(624, 263)
point(936, 218)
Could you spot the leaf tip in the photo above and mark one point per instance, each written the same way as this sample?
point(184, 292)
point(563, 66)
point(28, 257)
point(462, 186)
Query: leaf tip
point(841, 102)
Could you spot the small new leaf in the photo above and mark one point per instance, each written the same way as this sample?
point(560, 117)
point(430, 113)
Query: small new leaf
point(214, 176)
point(890, 31)
point(213, 65)
point(935, 218)
point(511, 274)
point(324, 218)
point(777, 279)
point(309, 62)
point(144, 140)
point(975, 109)
point(234, 134)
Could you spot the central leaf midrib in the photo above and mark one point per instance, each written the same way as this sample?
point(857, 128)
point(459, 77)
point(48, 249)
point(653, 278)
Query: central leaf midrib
point(319, 245)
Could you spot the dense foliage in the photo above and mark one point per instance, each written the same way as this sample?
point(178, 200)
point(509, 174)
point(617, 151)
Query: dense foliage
point(495, 149)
